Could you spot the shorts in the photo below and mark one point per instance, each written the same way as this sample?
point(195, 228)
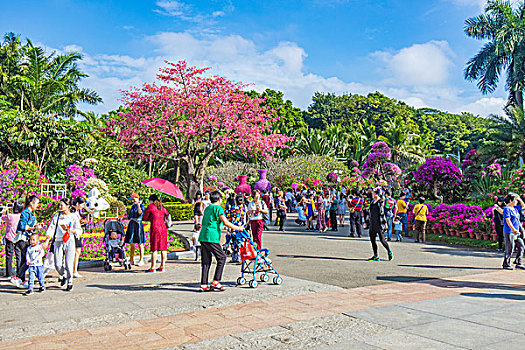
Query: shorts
point(78, 242)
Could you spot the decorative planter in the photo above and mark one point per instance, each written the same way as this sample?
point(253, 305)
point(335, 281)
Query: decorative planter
point(464, 234)
point(479, 235)
point(262, 184)
point(243, 186)
point(486, 236)
point(494, 237)
point(472, 235)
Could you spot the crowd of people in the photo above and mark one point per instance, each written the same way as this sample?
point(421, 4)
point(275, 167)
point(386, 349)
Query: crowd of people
point(63, 240)
point(374, 209)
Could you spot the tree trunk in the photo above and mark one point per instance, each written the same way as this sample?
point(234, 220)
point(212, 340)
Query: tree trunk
point(440, 198)
point(195, 176)
point(518, 96)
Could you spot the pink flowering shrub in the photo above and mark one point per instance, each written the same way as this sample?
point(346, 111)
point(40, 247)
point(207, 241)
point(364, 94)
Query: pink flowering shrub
point(77, 178)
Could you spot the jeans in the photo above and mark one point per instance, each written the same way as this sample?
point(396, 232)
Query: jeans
point(9, 250)
point(404, 221)
point(509, 249)
point(21, 265)
point(333, 219)
point(355, 223)
point(207, 250)
point(39, 272)
point(389, 221)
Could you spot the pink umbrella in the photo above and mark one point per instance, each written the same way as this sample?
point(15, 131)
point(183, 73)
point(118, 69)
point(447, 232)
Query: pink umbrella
point(164, 186)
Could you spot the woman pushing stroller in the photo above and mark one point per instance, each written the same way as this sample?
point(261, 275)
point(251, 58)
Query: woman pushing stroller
point(213, 221)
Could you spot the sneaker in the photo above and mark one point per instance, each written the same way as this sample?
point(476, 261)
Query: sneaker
point(374, 258)
point(29, 292)
point(42, 289)
point(63, 281)
point(23, 285)
point(16, 281)
point(69, 288)
point(160, 269)
point(150, 271)
point(77, 275)
point(520, 267)
point(140, 263)
point(508, 268)
point(390, 256)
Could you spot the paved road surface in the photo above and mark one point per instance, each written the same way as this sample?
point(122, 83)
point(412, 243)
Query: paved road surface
point(333, 258)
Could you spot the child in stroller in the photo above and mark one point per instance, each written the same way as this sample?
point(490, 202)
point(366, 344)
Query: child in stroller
point(114, 240)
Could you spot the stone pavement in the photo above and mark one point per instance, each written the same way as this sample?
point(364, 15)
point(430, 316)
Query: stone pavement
point(443, 297)
point(478, 311)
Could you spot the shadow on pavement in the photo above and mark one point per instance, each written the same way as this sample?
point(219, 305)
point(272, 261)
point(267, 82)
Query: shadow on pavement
point(495, 296)
point(445, 283)
point(462, 251)
point(451, 267)
point(317, 257)
point(403, 279)
point(184, 287)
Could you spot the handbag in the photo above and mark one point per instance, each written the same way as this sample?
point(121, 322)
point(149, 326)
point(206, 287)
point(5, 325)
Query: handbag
point(167, 218)
point(422, 205)
point(247, 251)
point(52, 246)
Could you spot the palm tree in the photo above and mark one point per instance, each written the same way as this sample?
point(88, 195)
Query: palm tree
point(41, 83)
point(504, 28)
point(404, 144)
point(361, 140)
point(510, 134)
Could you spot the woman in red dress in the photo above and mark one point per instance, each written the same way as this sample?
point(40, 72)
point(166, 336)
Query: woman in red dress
point(156, 214)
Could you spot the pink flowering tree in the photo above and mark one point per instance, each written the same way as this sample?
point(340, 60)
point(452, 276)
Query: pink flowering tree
point(187, 117)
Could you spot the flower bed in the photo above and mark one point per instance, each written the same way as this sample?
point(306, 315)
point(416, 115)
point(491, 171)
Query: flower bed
point(459, 220)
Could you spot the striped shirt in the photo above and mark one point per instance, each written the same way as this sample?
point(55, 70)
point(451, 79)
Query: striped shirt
point(357, 204)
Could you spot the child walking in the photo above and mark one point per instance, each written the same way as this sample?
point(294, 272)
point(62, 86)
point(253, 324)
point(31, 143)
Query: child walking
point(34, 256)
point(11, 221)
point(398, 226)
point(195, 241)
point(213, 221)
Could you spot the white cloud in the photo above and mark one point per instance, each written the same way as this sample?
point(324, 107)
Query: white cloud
point(186, 12)
point(173, 8)
point(424, 83)
point(486, 105)
point(419, 65)
point(473, 3)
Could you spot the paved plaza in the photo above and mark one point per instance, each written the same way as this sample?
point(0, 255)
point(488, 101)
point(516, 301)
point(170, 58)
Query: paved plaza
point(429, 297)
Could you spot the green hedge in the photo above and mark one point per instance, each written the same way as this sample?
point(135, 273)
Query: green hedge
point(180, 212)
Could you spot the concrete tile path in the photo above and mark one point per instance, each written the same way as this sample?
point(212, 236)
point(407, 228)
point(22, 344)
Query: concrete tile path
point(475, 311)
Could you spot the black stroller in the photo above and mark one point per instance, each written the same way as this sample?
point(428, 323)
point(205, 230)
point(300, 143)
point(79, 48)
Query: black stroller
point(119, 256)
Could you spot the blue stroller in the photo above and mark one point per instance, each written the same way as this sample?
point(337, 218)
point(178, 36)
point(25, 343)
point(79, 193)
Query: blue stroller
point(111, 259)
point(258, 264)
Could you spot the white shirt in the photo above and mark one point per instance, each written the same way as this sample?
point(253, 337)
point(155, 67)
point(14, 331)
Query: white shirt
point(34, 255)
point(70, 220)
point(253, 207)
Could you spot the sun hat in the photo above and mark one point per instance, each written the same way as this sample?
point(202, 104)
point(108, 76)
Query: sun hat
point(134, 195)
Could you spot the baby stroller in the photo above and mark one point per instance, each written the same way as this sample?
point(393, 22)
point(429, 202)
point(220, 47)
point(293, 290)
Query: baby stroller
point(111, 259)
point(254, 261)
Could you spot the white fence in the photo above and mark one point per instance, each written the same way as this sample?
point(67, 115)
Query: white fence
point(53, 190)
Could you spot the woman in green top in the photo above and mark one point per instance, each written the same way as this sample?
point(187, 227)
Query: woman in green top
point(212, 223)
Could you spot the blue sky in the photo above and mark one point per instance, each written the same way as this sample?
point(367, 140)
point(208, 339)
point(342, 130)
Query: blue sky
point(413, 50)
